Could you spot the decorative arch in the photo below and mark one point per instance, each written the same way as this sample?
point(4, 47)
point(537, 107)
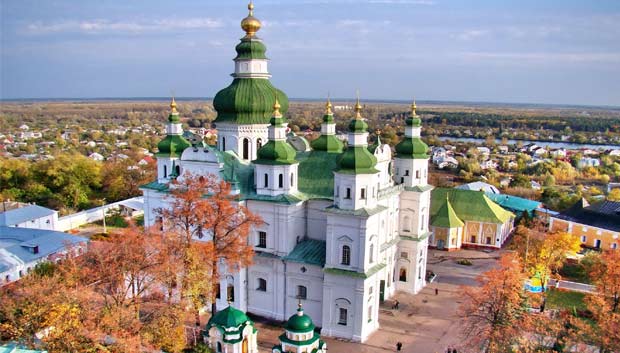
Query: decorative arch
point(402, 274)
point(246, 148)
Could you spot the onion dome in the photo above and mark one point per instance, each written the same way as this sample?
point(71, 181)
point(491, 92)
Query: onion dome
point(250, 24)
point(357, 159)
point(276, 151)
point(173, 144)
point(229, 318)
point(300, 322)
point(412, 145)
point(328, 141)
point(248, 101)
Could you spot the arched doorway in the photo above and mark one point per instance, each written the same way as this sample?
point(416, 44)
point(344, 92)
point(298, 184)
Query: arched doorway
point(403, 275)
point(244, 345)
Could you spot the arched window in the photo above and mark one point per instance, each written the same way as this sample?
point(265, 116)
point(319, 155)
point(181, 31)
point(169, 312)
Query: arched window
point(371, 257)
point(223, 143)
point(292, 179)
point(346, 255)
point(219, 347)
point(402, 275)
point(230, 293)
point(246, 148)
point(262, 285)
point(178, 170)
point(406, 224)
point(259, 143)
point(165, 171)
point(266, 180)
point(280, 181)
point(302, 292)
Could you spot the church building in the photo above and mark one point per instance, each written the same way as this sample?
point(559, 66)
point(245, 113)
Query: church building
point(346, 225)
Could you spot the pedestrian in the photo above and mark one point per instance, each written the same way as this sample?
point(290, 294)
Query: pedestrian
point(396, 303)
point(399, 346)
point(436, 291)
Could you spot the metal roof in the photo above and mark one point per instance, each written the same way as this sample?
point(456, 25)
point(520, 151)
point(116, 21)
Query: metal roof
point(24, 214)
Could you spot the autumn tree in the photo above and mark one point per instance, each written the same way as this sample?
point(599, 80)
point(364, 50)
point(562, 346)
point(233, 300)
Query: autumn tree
point(604, 304)
point(492, 312)
point(203, 207)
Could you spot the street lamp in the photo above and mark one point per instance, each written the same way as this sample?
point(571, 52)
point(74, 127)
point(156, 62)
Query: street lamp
point(105, 230)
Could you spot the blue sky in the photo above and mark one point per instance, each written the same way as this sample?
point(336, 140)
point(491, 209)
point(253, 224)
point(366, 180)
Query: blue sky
point(564, 51)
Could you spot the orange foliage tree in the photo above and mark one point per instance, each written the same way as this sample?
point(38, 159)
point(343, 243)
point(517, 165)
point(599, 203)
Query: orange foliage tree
point(493, 312)
point(202, 206)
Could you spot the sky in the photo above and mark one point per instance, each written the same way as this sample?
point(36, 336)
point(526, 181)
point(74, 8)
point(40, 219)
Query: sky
point(525, 51)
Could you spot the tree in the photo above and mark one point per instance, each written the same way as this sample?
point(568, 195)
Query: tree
point(493, 311)
point(614, 195)
point(604, 304)
point(203, 207)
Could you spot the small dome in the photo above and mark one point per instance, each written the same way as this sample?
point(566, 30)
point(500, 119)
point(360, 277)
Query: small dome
point(414, 121)
point(276, 152)
point(229, 318)
point(250, 24)
point(358, 126)
point(172, 145)
point(300, 322)
point(251, 48)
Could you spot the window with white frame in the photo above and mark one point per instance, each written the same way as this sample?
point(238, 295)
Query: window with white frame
point(346, 255)
point(262, 240)
point(262, 285)
point(302, 292)
point(342, 316)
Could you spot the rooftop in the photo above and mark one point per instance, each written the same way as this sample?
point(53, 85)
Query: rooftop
point(23, 214)
point(604, 214)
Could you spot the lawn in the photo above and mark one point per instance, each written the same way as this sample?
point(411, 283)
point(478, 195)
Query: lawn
point(559, 299)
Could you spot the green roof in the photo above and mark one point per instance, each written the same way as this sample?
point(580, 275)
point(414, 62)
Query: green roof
point(446, 217)
point(299, 322)
point(172, 145)
point(469, 205)
point(413, 121)
point(228, 318)
point(13, 348)
point(315, 173)
point(250, 48)
point(360, 212)
point(357, 160)
point(412, 147)
point(309, 251)
point(354, 274)
point(174, 117)
point(358, 126)
point(276, 152)
point(329, 143)
point(514, 203)
point(248, 101)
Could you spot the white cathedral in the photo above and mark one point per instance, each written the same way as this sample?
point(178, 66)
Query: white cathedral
point(345, 227)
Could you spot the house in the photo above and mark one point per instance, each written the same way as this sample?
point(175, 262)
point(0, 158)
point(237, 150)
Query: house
point(597, 225)
point(488, 164)
point(96, 156)
point(503, 149)
point(485, 151)
point(535, 185)
point(479, 186)
point(588, 162)
point(23, 215)
point(467, 218)
point(447, 162)
point(559, 153)
point(21, 249)
point(614, 153)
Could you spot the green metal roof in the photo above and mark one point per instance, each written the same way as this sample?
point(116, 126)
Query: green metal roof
point(412, 147)
point(228, 318)
point(469, 205)
point(446, 217)
point(309, 251)
point(172, 145)
point(276, 153)
point(360, 212)
point(13, 348)
point(316, 173)
point(250, 48)
point(357, 160)
point(299, 322)
point(514, 203)
point(248, 101)
point(348, 273)
point(328, 143)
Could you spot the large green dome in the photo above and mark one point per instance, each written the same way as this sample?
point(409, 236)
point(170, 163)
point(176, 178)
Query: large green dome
point(357, 160)
point(250, 48)
point(412, 147)
point(299, 322)
point(248, 101)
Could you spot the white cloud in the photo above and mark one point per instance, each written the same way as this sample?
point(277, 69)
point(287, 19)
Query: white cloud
point(471, 34)
point(529, 57)
point(107, 26)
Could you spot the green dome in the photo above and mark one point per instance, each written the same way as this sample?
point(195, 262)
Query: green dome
point(172, 145)
point(250, 48)
point(228, 318)
point(328, 118)
point(357, 160)
point(329, 143)
point(174, 118)
point(300, 322)
point(248, 101)
point(414, 121)
point(358, 126)
point(276, 152)
point(412, 147)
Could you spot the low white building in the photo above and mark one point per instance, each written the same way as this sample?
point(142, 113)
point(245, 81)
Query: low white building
point(588, 162)
point(22, 215)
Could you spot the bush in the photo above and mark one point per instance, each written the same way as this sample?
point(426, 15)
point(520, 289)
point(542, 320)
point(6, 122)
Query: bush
point(464, 262)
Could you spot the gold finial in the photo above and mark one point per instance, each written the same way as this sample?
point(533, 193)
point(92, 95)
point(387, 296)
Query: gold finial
point(413, 107)
point(173, 106)
point(250, 24)
point(328, 106)
point(276, 108)
point(358, 107)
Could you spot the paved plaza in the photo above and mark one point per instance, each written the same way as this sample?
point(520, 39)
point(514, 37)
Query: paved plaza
point(424, 323)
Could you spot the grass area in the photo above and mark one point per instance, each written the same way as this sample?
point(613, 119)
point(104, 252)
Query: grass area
point(574, 272)
point(559, 299)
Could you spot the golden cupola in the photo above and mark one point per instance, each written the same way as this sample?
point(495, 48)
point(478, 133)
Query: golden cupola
point(250, 24)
